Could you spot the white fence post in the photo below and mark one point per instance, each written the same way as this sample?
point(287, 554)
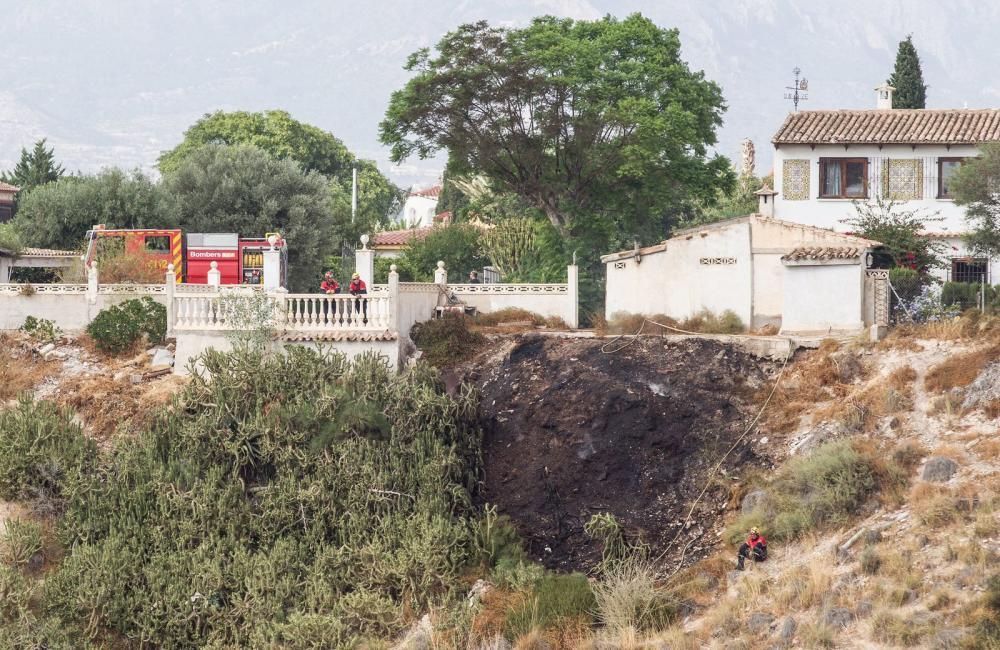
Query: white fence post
point(92, 283)
point(364, 262)
point(393, 299)
point(171, 281)
point(440, 274)
point(214, 275)
point(573, 295)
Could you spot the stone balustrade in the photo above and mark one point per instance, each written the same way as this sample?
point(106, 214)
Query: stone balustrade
point(337, 312)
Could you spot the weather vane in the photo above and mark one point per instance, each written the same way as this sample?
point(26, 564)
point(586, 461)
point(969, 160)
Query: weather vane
point(798, 89)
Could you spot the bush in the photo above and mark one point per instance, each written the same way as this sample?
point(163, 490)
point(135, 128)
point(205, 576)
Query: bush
point(555, 598)
point(457, 245)
point(628, 597)
point(118, 328)
point(448, 340)
point(41, 452)
point(41, 329)
point(824, 488)
point(907, 283)
point(286, 517)
point(870, 561)
point(20, 542)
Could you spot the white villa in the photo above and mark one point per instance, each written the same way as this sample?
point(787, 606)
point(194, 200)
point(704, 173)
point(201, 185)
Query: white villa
point(824, 160)
point(420, 207)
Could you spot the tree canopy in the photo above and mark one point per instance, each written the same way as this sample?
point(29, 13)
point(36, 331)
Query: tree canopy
point(907, 77)
point(598, 124)
point(34, 168)
point(284, 137)
point(242, 189)
point(976, 185)
point(58, 214)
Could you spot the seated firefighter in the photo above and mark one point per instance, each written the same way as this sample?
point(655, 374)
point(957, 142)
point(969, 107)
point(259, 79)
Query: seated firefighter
point(755, 548)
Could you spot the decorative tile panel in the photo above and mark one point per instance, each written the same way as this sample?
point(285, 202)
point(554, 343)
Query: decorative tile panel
point(903, 179)
point(795, 180)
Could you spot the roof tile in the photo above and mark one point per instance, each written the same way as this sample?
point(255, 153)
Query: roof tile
point(896, 126)
point(820, 253)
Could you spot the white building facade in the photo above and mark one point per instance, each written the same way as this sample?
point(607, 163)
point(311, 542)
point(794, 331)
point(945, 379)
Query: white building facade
point(420, 208)
point(824, 161)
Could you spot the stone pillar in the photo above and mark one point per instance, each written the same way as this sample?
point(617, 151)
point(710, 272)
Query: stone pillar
point(364, 263)
point(272, 269)
point(171, 282)
point(214, 275)
point(92, 283)
point(441, 274)
point(573, 295)
point(6, 264)
point(393, 299)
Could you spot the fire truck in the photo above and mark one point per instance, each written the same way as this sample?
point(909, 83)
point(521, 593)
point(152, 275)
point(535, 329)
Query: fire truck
point(239, 260)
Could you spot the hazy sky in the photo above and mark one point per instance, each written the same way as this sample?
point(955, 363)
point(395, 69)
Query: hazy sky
point(114, 82)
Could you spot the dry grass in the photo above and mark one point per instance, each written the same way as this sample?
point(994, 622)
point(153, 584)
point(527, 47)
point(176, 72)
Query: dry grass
point(107, 406)
point(21, 369)
point(897, 630)
point(675, 638)
point(704, 322)
point(814, 634)
point(960, 370)
point(933, 505)
point(805, 587)
point(988, 450)
point(517, 318)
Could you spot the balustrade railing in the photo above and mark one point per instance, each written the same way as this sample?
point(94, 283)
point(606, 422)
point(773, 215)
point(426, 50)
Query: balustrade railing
point(337, 312)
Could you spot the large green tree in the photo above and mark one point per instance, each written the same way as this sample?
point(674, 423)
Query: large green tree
point(58, 214)
point(284, 137)
point(907, 77)
point(976, 185)
point(600, 124)
point(34, 168)
point(243, 189)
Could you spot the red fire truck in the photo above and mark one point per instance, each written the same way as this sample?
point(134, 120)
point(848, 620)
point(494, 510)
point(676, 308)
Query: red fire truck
point(239, 261)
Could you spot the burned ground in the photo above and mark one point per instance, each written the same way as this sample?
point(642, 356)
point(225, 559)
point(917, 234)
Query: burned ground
point(571, 431)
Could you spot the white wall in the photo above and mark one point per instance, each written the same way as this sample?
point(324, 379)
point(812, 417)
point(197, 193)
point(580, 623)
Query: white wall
point(768, 274)
point(67, 306)
point(675, 282)
point(417, 301)
point(820, 297)
point(418, 211)
point(555, 300)
point(828, 213)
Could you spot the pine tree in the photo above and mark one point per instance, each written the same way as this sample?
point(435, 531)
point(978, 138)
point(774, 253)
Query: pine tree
point(907, 78)
point(36, 167)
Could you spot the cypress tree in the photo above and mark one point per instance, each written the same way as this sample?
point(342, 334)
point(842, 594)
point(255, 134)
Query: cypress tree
point(907, 77)
point(35, 167)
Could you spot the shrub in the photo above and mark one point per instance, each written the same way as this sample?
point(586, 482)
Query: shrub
point(870, 561)
point(891, 629)
point(627, 597)
point(510, 315)
point(118, 328)
point(824, 488)
point(20, 542)
point(41, 329)
point(448, 340)
point(555, 598)
point(41, 451)
point(963, 294)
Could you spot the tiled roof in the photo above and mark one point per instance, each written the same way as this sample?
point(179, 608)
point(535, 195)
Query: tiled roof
point(398, 237)
point(430, 192)
point(443, 217)
point(820, 253)
point(369, 337)
point(7, 187)
point(44, 252)
point(896, 126)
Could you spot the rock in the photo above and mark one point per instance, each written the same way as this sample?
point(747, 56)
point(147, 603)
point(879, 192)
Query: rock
point(788, 627)
point(985, 389)
point(939, 469)
point(162, 358)
point(838, 617)
point(760, 623)
point(733, 577)
point(121, 375)
point(815, 437)
point(946, 639)
point(54, 355)
point(848, 366)
point(45, 349)
point(753, 500)
point(863, 609)
point(420, 636)
point(479, 589)
point(135, 378)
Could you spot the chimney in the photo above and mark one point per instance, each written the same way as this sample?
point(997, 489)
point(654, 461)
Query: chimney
point(883, 97)
point(766, 197)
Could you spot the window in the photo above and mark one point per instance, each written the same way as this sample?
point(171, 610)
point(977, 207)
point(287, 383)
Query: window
point(158, 244)
point(843, 178)
point(946, 169)
point(6, 213)
point(969, 269)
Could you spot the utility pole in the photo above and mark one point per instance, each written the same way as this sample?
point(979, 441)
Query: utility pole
point(354, 193)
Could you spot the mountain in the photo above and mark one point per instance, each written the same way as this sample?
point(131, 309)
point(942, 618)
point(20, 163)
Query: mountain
point(114, 82)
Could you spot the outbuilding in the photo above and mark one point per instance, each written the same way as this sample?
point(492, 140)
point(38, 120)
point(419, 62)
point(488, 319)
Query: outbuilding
point(799, 278)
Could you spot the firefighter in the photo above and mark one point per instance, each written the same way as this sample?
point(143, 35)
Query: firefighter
point(357, 288)
point(754, 548)
point(329, 284)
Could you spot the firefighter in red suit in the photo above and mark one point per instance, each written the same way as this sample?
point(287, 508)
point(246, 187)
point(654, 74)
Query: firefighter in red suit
point(754, 548)
point(357, 288)
point(329, 284)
